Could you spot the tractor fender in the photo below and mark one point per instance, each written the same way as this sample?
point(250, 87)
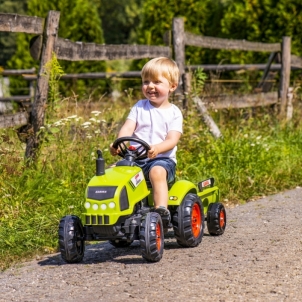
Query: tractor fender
point(179, 190)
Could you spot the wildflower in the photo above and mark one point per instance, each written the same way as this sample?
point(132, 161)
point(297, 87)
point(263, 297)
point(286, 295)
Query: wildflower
point(86, 124)
point(252, 145)
point(258, 137)
point(88, 136)
point(72, 117)
point(246, 135)
point(96, 113)
point(92, 119)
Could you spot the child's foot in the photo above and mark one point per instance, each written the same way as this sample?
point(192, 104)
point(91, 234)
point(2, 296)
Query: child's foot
point(165, 217)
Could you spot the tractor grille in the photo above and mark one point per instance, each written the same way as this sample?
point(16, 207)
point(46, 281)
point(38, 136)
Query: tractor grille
point(96, 219)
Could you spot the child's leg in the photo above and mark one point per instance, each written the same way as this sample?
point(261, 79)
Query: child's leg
point(158, 178)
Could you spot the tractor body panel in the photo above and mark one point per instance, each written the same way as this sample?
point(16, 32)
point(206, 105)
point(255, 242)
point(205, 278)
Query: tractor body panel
point(114, 194)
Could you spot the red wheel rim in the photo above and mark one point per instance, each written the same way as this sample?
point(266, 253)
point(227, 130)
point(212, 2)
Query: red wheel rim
point(158, 236)
point(196, 220)
point(222, 219)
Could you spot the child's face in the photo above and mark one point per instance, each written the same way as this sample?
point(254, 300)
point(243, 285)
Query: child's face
point(157, 91)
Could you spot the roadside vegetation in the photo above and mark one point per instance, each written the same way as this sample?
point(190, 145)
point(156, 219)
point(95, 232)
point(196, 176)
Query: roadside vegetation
point(257, 156)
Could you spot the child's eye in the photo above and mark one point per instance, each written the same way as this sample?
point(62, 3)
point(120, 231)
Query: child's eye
point(146, 82)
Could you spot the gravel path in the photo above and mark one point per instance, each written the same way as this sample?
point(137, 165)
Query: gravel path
point(258, 258)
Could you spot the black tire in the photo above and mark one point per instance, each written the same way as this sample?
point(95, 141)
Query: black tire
point(216, 219)
point(152, 237)
point(120, 243)
point(188, 221)
point(71, 239)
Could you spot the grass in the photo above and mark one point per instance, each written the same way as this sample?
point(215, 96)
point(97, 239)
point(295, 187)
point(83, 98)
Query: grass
point(257, 156)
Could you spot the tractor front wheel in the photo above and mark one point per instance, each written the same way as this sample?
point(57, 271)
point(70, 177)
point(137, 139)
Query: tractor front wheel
point(152, 237)
point(71, 239)
point(188, 221)
point(216, 219)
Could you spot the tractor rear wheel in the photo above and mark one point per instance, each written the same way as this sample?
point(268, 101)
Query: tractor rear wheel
point(120, 243)
point(152, 237)
point(71, 239)
point(216, 219)
point(188, 221)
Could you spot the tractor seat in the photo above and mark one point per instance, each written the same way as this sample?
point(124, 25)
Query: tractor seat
point(170, 184)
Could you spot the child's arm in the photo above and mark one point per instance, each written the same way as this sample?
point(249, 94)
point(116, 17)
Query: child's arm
point(126, 130)
point(169, 143)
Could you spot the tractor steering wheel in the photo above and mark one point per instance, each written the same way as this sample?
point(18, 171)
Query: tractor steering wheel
point(138, 153)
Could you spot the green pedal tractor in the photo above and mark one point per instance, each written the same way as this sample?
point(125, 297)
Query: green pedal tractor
point(119, 207)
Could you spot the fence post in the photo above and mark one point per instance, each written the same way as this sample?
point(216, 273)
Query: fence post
point(179, 47)
point(285, 73)
point(39, 105)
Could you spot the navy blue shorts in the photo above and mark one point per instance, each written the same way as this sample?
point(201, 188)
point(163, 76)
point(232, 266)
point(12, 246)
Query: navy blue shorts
point(164, 162)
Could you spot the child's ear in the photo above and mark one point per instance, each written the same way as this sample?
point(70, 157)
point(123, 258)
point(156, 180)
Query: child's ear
point(173, 87)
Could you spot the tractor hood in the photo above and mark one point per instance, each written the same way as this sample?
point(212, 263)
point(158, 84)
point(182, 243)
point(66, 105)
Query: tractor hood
point(115, 193)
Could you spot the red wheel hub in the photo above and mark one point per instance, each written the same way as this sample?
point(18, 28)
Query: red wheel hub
point(222, 219)
point(196, 220)
point(158, 236)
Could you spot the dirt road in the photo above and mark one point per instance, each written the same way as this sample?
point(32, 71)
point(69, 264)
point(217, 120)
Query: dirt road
point(258, 258)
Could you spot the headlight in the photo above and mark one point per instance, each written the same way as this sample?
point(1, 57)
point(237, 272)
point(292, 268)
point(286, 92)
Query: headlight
point(111, 205)
point(87, 205)
point(103, 206)
point(95, 206)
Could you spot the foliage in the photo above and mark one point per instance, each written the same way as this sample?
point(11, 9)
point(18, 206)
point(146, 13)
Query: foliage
point(262, 21)
point(8, 40)
point(79, 21)
point(201, 17)
point(120, 20)
point(54, 71)
point(198, 81)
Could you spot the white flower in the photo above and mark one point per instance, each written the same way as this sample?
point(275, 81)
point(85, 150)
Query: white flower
point(246, 135)
point(92, 119)
point(72, 116)
point(258, 137)
point(252, 145)
point(86, 124)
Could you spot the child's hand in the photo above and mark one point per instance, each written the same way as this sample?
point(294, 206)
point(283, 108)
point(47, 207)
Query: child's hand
point(113, 151)
point(153, 152)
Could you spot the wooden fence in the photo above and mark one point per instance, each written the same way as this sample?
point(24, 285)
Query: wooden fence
point(47, 41)
point(181, 38)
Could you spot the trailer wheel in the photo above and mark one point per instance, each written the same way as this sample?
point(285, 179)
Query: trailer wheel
point(216, 219)
point(152, 237)
point(120, 243)
point(188, 221)
point(71, 239)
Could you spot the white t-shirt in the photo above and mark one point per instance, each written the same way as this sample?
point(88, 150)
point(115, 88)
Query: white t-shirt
point(153, 124)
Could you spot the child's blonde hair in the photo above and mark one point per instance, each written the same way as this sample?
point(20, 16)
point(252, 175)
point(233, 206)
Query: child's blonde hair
point(161, 66)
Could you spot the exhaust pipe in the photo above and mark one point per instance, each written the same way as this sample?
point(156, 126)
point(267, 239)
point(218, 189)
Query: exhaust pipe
point(100, 164)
